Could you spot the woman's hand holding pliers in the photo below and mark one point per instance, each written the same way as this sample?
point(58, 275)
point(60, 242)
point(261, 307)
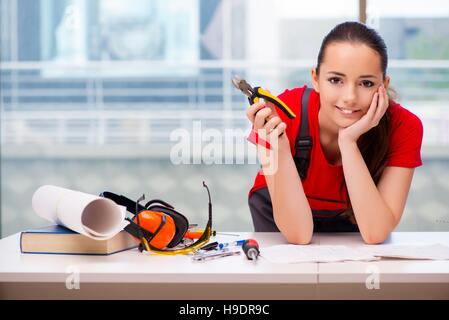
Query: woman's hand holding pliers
point(268, 125)
point(268, 128)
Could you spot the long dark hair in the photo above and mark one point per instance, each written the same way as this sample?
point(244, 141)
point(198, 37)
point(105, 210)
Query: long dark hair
point(373, 144)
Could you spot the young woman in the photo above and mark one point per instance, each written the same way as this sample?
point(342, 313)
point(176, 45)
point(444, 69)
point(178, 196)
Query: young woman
point(364, 149)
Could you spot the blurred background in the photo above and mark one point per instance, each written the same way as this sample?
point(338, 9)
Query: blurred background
point(93, 90)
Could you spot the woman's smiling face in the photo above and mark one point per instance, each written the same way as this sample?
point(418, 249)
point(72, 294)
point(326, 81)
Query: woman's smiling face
point(349, 75)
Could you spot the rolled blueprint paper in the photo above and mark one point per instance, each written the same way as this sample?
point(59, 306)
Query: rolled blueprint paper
point(93, 216)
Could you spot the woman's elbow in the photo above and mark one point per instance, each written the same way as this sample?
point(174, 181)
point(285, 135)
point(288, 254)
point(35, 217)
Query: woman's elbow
point(374, 239)
point(300, 239)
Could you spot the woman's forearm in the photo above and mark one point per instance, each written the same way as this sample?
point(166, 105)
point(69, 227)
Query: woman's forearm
point(291, 210)
point(374, 218)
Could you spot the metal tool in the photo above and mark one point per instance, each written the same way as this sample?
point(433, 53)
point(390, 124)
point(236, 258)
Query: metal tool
point(214, 255)
point(256, 93)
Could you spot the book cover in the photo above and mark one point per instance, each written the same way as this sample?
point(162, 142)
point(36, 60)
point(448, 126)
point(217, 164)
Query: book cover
point(57, 239)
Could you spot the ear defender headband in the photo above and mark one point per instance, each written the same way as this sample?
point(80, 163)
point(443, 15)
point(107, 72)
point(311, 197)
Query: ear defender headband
point(157, 222)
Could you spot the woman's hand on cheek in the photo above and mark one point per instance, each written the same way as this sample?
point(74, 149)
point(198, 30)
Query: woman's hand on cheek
point(378, 107)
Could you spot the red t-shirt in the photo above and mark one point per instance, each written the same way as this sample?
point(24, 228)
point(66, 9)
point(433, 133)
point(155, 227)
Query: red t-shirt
point(322, 185)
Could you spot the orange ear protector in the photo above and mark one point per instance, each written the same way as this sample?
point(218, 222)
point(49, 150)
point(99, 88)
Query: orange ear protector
point(160, 224)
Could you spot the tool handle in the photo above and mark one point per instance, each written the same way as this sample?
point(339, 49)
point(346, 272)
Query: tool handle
point(193, 234)
point(251, 249)
point(209, 246)
point(266, 95)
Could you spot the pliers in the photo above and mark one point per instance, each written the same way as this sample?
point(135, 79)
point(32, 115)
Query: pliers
point(256, 93)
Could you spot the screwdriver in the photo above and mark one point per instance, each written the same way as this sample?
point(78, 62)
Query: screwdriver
point(251, 249)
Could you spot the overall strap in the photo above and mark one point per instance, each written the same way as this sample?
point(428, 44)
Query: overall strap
point(303, 139)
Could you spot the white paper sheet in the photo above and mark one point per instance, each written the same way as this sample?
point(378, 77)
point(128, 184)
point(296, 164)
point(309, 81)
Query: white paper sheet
point(289, 253)
point(93, 216)
point(416, 252)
